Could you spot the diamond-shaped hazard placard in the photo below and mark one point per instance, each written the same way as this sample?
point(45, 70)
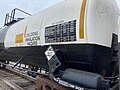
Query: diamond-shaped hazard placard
point(49, 53)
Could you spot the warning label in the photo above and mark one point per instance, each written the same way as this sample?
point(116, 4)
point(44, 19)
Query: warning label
point(49, 53)
point(32, 38)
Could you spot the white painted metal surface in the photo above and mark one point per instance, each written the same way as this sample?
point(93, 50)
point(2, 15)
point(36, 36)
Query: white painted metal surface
point(119, 29)
point(100, 23)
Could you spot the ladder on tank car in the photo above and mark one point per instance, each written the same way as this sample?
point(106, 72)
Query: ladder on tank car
point(10, 18)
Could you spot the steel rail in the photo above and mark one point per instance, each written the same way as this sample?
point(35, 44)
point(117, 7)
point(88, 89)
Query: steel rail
point(20, 73)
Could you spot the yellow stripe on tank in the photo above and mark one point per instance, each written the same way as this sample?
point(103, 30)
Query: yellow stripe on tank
point(25, 31)
point(82, 20)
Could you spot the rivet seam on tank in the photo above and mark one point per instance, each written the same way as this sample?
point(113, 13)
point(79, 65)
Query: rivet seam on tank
point(82, 21)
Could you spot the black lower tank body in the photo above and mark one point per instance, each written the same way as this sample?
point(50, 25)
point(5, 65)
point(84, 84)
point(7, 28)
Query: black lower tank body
point(88, 57)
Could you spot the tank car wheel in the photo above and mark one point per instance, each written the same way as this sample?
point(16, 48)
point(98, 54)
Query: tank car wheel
point(30, 73)
point(35, 70)
point(2, 66)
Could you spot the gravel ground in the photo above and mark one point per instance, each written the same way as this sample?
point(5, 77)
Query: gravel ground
point(25, 84)
point(4, 86)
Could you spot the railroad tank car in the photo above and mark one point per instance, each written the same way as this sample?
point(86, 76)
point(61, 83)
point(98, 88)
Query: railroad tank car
point(83, 32)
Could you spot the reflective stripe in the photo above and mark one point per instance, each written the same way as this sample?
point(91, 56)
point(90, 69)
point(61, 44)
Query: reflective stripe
point(19, 38)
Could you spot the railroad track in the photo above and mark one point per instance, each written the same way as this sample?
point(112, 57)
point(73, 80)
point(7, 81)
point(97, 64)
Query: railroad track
point(13, 79)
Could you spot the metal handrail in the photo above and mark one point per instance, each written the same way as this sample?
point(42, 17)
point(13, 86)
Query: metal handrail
point(11, 19)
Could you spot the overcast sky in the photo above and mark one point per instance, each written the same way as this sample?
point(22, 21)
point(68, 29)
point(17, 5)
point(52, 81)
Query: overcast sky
point(31, 6)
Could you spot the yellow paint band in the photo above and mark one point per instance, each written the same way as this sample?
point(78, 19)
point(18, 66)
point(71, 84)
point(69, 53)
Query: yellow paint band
point(82, 18)
point(25, 31)
point(19, 38)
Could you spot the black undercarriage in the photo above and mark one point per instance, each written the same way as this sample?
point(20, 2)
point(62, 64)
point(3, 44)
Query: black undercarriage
point(87, 57)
